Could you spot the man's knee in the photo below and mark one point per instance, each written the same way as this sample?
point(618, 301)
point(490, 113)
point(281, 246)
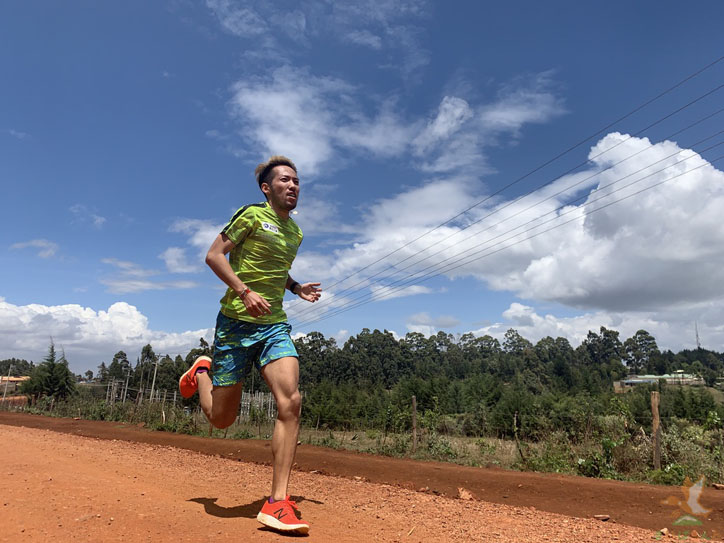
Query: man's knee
point(222, 420)
point(225, 405)
point(290, 406)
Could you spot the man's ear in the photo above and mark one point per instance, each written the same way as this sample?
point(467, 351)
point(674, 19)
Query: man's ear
point(266, 189)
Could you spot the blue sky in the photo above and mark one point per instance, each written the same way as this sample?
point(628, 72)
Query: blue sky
point(129, 133)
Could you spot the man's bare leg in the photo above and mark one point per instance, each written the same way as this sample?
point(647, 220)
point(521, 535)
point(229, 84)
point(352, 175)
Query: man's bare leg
point(219, 404)
point(282, 377)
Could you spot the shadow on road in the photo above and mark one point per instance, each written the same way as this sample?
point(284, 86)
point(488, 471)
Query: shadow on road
point(249, 510)
point(246, 511)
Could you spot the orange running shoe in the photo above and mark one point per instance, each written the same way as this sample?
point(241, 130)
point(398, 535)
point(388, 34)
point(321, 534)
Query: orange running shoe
point(188, 383)
point(283, 516)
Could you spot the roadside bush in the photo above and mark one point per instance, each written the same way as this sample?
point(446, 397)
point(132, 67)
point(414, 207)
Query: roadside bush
point(449, 426)
point(439, 447)
point(686, 445)
point(633, 456)
point(671, 474)
point(485, 447)
point(242, 433)
point(554, 455)
point(398, 445)
point(329, 441)
point(372, 434)
point(475, 423)
point(596, 460)
point(186, 425)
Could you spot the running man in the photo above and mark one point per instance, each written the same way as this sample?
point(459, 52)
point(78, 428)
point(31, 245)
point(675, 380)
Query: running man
point(261, 241)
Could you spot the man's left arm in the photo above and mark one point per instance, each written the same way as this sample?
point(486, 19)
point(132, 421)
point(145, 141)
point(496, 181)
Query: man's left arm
point(306, 291)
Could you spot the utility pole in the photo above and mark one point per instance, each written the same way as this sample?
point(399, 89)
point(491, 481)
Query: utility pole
point(10, 368)
point(656, 429)
point(125, 387)
point(153, 383)
point(140, 382)
point(414, 424)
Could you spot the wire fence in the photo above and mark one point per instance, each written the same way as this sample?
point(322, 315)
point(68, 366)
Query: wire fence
point(252, 405)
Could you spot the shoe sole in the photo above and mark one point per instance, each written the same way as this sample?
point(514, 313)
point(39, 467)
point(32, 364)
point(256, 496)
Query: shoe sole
point(271, 522)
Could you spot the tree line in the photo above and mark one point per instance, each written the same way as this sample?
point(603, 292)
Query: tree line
point(481, 386)
point(474, 385)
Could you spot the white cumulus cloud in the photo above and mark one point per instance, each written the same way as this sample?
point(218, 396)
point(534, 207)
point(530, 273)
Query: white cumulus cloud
point(427, 325)
point(655, 250)
point(87, 336)
point(381, 292)
point(673, 329)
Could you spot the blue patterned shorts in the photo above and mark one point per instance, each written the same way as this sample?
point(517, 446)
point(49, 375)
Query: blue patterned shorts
point(237, 343)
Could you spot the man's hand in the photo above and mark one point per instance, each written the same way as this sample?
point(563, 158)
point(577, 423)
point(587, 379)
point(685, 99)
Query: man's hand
point(255, 304)
point(309, 291)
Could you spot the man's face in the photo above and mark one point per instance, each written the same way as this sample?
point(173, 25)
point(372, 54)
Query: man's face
point(284, 188)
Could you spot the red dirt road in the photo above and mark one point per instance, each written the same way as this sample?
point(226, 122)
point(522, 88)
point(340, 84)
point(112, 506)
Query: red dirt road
point(138, 485)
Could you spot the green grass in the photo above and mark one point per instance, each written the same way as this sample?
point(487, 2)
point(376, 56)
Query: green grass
point(617, 450)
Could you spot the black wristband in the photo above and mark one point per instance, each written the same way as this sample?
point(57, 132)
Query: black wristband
point(293, 286)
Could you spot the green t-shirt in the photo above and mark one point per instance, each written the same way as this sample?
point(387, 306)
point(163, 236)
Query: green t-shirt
point(265, 247)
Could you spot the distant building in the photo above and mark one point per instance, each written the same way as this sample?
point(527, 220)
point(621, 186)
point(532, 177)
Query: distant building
point(13, 383)
point(676, 378)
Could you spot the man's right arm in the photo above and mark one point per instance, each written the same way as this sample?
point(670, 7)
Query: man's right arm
point(216, 259)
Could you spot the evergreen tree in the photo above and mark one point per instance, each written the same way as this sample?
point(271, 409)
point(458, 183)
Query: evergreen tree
point(640, 351)
point(102, 375)
point(51, 377)
point(120, 366)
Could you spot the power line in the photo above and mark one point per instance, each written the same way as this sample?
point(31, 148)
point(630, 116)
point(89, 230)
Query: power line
point(572, 210)
point(552, 196)
point(699, 98)
point(316, 308)
point(457, 265)
point(307, 310)
point(566, 189)
point(541, 166)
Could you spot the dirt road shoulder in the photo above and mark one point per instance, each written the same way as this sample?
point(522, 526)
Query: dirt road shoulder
point(624, 503)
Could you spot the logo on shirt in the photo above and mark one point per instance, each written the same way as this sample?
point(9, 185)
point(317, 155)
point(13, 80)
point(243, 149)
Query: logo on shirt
point(270, 227)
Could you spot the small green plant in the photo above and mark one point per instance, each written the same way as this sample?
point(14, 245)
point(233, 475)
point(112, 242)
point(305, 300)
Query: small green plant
point(439, 447)
point(372, 434)
point(330, 441)
point(399, 445)
point(242, 433)
point(485, 447)
point(713, 421)
point(671, 474)
point(553, 455)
